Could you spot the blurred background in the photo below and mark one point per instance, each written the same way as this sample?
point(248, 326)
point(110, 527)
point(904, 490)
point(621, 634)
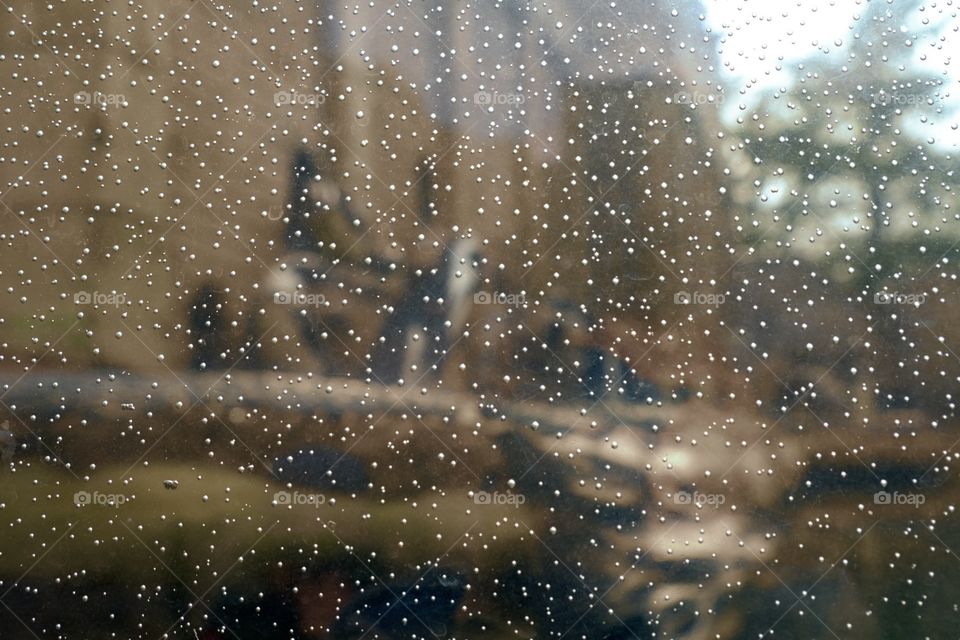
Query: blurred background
point(478, 320)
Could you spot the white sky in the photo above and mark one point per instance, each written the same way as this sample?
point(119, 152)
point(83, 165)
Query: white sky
point(762, 41)
point(759, 33)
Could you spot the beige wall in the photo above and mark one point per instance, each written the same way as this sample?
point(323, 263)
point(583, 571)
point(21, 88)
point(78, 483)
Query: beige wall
point(177, 178)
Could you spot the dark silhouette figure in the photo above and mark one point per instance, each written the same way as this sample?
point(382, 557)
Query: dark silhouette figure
point(300, 235)
point(270, 613)
point(207, 329)
point(322, 468)
point(319, 214)
point(429, 318)
point(420, 609)
point(566, 349)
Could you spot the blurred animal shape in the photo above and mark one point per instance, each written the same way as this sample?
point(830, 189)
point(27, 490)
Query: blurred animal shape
point(206, 328)
point(591, 358)
point(322, 468)
point(422, 609)
point(217, 343)
point(252, 613)
point(361, 313)
point(421, 329)
point(626, 349)
point(557, 353)
point(8, 443)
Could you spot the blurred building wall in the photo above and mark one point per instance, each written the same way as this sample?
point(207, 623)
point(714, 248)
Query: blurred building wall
point(168, 136)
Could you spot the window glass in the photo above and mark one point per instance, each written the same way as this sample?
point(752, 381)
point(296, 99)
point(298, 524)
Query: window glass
point(478, 319)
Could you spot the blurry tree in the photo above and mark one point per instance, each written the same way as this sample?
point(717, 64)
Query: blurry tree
point(843, 170)
point(845, 142)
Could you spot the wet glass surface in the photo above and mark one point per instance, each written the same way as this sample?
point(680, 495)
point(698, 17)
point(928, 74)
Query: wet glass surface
point(549, 319)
